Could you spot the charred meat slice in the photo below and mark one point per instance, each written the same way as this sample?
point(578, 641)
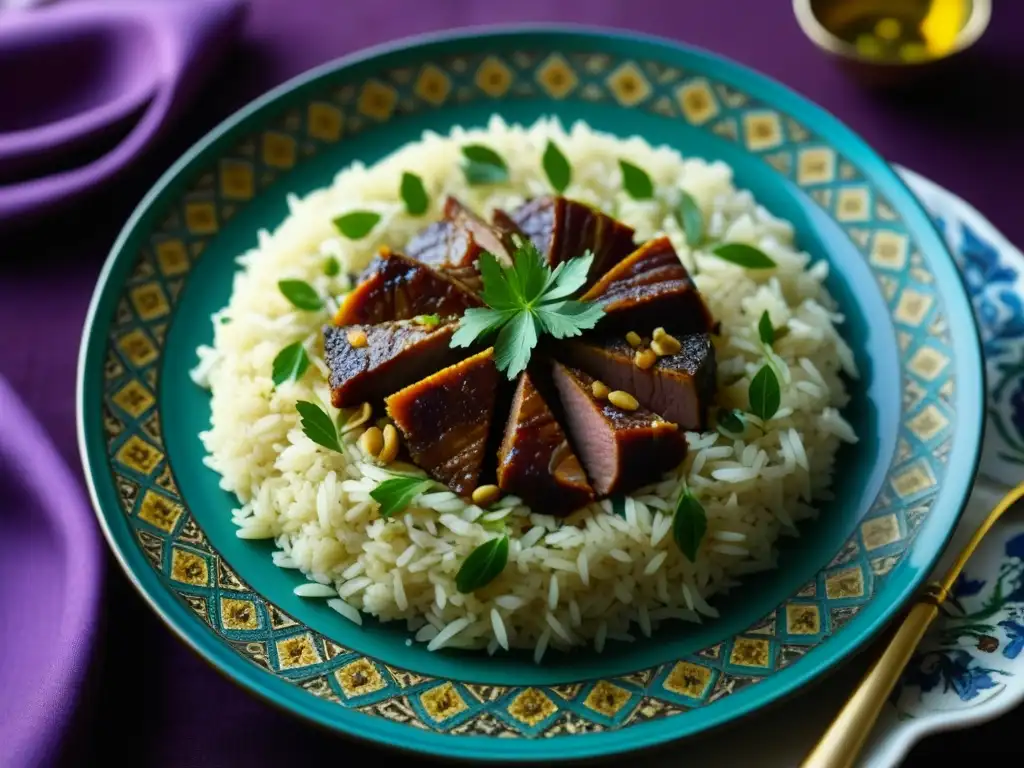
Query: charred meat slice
point(387, 357)
point(679, 387)
point(395, 287)
point(564, 229)
point(650, 288)
point(535, 461)
point(621, 450)
point(445, 419)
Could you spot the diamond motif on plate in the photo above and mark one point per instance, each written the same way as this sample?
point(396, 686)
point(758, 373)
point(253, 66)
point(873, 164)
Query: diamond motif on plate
point(531, 707)
point(377, 100)
point(139, 455)
point(493, 77)
point(816, 165)
point(697, 102)
point(688, 679)
point(278, 150)
point(847, 583)
point(159, 511)
point(556, 77)
point(324, 121)
point(238, 614)
point(628, 85)
point(606, 698)
point(189, 568)
point(172, 257)
point(802, 619)
point(296, 652)
point(201, 218)
point(359, 677)
point(443, 702)
point(433, 85)
point(750, 652)
point(149, 301)
point(762, 130)
point(928, 423)
point(913, 307)
point(853, 204)
point(236, 180)
point(913, 480)
point(880, 532)
point(133, 398)
point(889, 249)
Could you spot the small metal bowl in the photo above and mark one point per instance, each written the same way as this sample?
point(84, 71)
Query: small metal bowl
point(885, 72)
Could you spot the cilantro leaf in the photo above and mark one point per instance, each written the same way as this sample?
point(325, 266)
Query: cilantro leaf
point(637, 183)
point(497, 292)
point(689, 525)
point(357, 224)
point(479, 322)
point(515, 342)
point(568, 318)
point(556, 167)
point(414, 194)
point(484, 565)
point(529, 270)
point(318, 426)
point(569, 277)
point(290, 363)
point(397, 493)
point(765, 329)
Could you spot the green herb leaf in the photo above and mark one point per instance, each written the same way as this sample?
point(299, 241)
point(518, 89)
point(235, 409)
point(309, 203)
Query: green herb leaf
point(766, 329)
point(557, 168)
point(301, 294)
point(358, 224)
point(290, 363)
point(566, 319)
point(483, 165)
point(690, 218)
point(689, 525)
point(396, 494)
point(764, 393)
point(619, 505)
point(568, 277)
point(484, 565)
point(414, 194)
point(515, 343)
point(431, 321)
point(478, 323)
point(731, 422)
point(743, 255)
point(332, 267)
point(529, 272)
point(318, 426)
point(636, 181)
point(498, 292)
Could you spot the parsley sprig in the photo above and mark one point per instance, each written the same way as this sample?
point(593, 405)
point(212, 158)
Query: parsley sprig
point(524, 301)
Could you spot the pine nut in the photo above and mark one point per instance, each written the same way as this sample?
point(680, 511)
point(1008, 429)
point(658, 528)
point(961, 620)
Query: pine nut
point(357, 338)
point(371, 442)
point(486, 494)
point(600, 390)
point(390, 450)
point(358, 418)
point(666, 345)
point(634, 339)
point(623, 400)
point(658, 332)
point(645, 358)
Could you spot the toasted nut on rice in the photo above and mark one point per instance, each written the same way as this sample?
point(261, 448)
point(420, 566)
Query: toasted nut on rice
point(390, 450)
point(634, 339)
point(623, 400)
point(486, 494)
point(666, 345)
point(357, 338)
point(371, 442)
point(600, 390)
point(644, 358)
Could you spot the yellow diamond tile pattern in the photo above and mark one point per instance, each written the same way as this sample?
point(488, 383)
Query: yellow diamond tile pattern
point(628, 85)
point(928, 423)
point(150, 301)
point(687, 679)
point(189, 568)
point(359, 678)
point(377, 100)
point(853, 204)
point(494, 77)
point(238, 614)
point(889, 249)
point(762, 130)
point(443, 702)
point(172, 257)
point(928, 363)
point(880, 532)
point(913, 307)
point(556, 77)
point(133, 398)
point(237, 181)
point(531, 707)
point(433, 85)
point(201, 218)
point(914, 479)
point(803, 619)
point(697, 101)
point(845, 583)
point(750, 652)
point(297, 652)
point(324, 121)
point(160, 511)
point(606, 698)
point(139, 455)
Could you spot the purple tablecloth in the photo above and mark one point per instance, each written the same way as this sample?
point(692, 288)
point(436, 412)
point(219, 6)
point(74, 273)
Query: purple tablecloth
point(151, 700)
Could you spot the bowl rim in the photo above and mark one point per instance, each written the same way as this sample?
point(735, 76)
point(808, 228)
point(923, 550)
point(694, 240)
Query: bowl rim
point(812, 27)
point(292, 699)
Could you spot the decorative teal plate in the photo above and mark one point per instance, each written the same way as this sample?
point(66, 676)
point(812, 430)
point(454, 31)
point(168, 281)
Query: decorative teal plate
point(919, 411)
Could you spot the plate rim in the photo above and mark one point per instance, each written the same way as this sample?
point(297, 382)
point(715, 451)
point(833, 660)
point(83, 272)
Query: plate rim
point(277, 691)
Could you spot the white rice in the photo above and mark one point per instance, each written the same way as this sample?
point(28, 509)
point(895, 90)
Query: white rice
point(593, 576)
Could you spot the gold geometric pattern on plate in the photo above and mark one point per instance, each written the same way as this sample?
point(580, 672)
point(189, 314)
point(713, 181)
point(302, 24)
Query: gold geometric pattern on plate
point(133, 398)
point(687, 679)
point(816, 165)
point(189, 568)
point(236, 180)
point(238, 614)
point(913, 307)
point(928, 363)
point(377, 100)
point(914, 479)
point(846, 583)
point(149, 301)
point(172, 257)
point(928, 423)
point(159, 511)
point(802, 619)
point(762, 130)
point(493, 77)
point(297, 652)
point(696, 101)
point(278, 150)
point(556, 77)
point(324, 121)
point(606, 698)
point(628, 84)
point(201, 218)
point(443, 702)
point(433, 85)
point(853, 204)
point(139, 455)
point(359, 677)
point(531, 707)
point(889, 249)
point(880, 532)
point(750, 652)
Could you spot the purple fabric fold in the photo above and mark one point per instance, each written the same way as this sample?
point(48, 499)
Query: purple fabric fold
point(50, 576)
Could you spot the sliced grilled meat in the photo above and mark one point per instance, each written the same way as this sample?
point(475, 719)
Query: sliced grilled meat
point(535, 460)
point(387, 357)
point(395, 287)
point(679, 387)
point(647, 289)
point(564, 229)
point(621, 450)
point(445, 419)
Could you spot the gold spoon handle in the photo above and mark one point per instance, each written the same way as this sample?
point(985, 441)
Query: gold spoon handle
point(845, 738)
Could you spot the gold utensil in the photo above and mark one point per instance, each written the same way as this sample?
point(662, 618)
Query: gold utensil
point(845, 738)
